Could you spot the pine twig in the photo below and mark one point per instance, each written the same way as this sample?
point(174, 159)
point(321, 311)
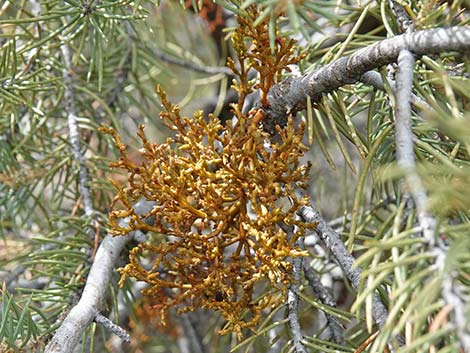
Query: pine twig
point(293, 306)
point(404, 143)
point(74, 133)
point(405, 22)
point(69, 333)
point(346, 261)
point(293, 297)
point(112, 327)
point(211, 70)
point(336, 329)
point(374, 79)
point(452, 295)
point(427, 222)
point(189, 342)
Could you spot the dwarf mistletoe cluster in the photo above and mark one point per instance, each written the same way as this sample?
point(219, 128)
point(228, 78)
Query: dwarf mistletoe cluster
point(224, 226)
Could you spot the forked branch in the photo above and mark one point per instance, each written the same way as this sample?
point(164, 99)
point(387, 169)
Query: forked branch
point(289, 96)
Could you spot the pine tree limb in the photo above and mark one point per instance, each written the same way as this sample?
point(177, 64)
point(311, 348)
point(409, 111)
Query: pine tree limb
point(427, 222)
point(84, 312)
point(404, 143)
point(288, 96)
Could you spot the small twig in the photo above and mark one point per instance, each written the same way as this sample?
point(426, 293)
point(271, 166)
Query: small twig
point(405, 22)
point(346, 261)
point(404, 143)
point(336, 329)
point(74, 132)
point(190, 340)
point(70, 331)
point(211, 70)
point(374, 79)
point(293, 306)
point(453, 297)
point(112, 327)
point(333, 243)
point(292, 296)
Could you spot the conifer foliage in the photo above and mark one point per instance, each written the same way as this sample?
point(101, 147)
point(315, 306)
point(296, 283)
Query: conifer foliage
point(234, 176)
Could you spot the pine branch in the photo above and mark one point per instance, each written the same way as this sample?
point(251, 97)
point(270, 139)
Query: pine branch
point(336, 329)
point(453, 296)
point(374, 79)
point(427, 222)
point(74, 133)
point(404, 143)
point(405, 22)
point(288, 96)
point(112, 327)
point(82, 314)
point(293, 306)
point(346, 261)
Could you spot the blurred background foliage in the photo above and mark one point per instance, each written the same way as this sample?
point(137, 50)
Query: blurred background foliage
point(120, 51)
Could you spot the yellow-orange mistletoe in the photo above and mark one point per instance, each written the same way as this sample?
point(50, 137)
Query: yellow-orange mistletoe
point(224, 225)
